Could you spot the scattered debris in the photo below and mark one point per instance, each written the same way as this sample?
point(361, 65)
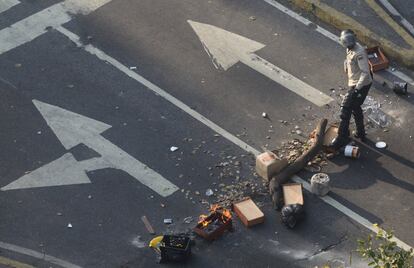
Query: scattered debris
point(18, 65)
point(373, 110)
point(148, 225)
point(252, 18)
point(173, 148)
point(400, 88)
point(59, 214)
point(137, 242)
point(188, 220)
point(162, 205)
point(380, 145)
point(69, 225)
point(209, 192)
point(248, 212)
point(168, 221)
point(351, 151)
point(320, 184)
point(39, 132)
point(70, 86)
point(89, 196)
point(133, 67)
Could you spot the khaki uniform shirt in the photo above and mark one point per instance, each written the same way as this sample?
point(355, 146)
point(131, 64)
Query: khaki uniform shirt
point(357, 67)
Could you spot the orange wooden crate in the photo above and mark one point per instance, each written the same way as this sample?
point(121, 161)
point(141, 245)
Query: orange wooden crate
point(377, 59)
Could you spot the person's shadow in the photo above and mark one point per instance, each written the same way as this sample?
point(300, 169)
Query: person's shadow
point(368, 169)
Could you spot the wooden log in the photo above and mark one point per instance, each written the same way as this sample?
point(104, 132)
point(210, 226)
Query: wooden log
point(275, 188)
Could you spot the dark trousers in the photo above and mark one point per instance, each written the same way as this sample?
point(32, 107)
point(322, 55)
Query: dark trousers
point(351, 105)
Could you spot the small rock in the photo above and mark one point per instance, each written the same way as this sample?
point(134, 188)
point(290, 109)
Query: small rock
point(133, 67)
point(162, 205)
point(168, 221)
point(264, 115)
point(209, 192)
point(59, 214)
point(69, 225)
point(252, 18)
point(188, 220)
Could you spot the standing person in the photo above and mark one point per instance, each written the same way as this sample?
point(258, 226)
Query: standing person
point(357, 68)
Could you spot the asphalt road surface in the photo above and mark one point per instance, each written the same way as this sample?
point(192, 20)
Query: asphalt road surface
point(94, 95)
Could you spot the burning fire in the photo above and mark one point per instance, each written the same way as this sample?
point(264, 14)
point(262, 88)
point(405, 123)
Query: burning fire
point(225, 215)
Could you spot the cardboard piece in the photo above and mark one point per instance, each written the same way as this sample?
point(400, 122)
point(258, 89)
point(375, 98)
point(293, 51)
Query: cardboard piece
point(248, 212)
point(268, 164)
point(292, 193)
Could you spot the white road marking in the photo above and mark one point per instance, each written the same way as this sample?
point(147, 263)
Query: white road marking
point(179, 104)
point(397, 14)
point(73, 129)
point(37, 255)
point(7, 4)
point(329, 35)
point(157, 90)
point(63, 171)
point(226, 48)
point(35, 25)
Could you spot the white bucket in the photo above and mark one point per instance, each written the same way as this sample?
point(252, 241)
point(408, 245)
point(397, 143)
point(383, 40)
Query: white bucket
point(351, 151)
point(320, 184)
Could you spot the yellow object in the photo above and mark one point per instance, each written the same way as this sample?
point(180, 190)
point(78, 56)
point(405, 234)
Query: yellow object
point(154, 243)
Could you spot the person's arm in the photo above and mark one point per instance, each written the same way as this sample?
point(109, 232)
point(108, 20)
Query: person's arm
point(365, 77)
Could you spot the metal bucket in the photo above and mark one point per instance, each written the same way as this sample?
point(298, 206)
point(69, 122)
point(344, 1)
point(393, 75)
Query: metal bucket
point(351, 151)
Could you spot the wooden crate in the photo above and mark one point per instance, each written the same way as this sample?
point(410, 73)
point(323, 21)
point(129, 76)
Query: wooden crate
point(292, 193)
point(248, 212)
point(377, 59)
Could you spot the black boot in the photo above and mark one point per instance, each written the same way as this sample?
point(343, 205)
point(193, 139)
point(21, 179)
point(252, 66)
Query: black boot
point(359, 123)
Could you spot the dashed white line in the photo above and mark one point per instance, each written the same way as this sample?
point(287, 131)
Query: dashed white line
point(179, 104)
point(7, 4)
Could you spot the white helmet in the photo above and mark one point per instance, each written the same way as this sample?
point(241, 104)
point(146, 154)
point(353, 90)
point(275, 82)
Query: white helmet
point(348, 38)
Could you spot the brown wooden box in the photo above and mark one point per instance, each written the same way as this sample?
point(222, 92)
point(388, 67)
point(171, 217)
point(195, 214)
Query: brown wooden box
point(292, 193)
point(248, 212)
point(268, 164)
point(377, 59)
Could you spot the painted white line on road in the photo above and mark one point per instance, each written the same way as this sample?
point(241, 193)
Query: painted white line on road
point(157, 90)
point(73, 129)
point(226, 49)
point(328, 34)
point(160, 92)
point(35, 25)
point(7, 4)
point(37, 255)
point(397, 14)
point(348, 212)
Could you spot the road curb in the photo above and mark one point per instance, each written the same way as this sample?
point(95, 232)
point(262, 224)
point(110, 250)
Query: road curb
point(342, 21)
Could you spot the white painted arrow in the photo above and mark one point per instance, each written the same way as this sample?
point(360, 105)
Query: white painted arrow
point(73, 129)
point(227, 48)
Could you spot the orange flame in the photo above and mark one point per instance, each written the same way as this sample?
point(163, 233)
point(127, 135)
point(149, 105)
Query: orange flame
point(215, 208)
